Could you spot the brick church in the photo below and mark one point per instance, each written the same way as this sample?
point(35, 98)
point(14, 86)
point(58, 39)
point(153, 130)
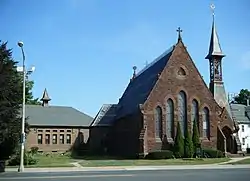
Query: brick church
point(167, 91)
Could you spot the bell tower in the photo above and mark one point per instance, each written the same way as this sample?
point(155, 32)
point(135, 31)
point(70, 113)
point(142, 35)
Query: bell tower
point(215, 56)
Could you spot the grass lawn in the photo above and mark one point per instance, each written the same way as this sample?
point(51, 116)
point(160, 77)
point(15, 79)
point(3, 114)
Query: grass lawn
point(245, 161)
point(102, 163)
point(53, 160)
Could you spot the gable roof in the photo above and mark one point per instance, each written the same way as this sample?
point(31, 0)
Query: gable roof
point(105, 116)
point(56, 116)
point(140, 87)
point(241, 113)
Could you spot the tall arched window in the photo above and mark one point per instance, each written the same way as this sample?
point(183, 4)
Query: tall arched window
point(182, 109)
point(170, 118)
point(206, 122)
point(158, 122)
point(195, 114)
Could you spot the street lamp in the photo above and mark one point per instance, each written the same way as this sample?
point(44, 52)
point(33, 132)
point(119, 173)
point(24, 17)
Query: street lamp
point(25, 74)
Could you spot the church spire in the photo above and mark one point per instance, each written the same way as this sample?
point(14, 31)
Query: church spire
point(45, 98)
point(214, 47)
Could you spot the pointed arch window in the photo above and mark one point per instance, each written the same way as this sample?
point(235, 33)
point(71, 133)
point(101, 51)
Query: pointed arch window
point(182, 111)
point(158, 122)
point(195, 114)
point(206, 122)
point(170, 119)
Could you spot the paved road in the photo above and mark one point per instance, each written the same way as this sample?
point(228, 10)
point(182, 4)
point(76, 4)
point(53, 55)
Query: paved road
point(169, 175)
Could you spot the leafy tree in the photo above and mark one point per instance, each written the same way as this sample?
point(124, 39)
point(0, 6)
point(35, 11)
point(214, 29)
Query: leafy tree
point(10, 103)
point(188, 145)
point(179, 143)
point(195, 136)
point(29, 95)
point(242, 97)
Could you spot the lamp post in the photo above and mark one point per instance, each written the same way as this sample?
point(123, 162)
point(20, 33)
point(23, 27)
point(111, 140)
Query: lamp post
point(25, 74)
point(21, 166)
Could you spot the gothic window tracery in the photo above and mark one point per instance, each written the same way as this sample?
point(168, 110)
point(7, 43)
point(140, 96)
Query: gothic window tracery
point(170, 118)
point(182, 111)
point(158, 122)
point(206, 122)
point(195, 114)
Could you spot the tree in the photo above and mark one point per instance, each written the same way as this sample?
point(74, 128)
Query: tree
point(179, 143)
point(196, 135)
point(242, 97)
point(10, 103)
point(29, 95)
point(188, 145)
point(29, 98)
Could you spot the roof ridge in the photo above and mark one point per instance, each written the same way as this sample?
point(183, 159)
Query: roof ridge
point(155, 60)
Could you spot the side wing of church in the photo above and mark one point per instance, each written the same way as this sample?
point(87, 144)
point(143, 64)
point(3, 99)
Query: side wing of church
point(168, 91)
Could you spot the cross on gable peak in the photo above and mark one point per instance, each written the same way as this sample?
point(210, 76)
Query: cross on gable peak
point(179, 30)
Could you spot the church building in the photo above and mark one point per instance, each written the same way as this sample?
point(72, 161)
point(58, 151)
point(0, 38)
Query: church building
point(167, 91)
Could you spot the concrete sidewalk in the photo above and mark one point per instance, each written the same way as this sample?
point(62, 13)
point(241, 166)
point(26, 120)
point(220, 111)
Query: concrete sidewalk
point(130, 168)
point(79, 168)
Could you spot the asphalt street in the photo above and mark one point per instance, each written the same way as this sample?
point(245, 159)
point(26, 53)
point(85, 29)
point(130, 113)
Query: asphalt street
point(163, 175)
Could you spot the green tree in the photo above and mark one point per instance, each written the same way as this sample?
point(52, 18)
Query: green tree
point(196, 135)
point(29, 94)
point(10, 103)
point(188, 145)
point(179, 143)
point(242, 97)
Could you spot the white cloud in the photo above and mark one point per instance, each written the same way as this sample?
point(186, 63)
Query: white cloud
point(245, 60)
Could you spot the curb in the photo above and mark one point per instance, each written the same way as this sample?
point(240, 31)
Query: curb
point(138, 168)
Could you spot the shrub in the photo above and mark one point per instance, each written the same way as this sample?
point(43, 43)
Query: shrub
point(34, 150)
point(188, 146)
point(29, 159)
point(212, 153)
point(161, 154)
point(195, 136)
point(179, 143)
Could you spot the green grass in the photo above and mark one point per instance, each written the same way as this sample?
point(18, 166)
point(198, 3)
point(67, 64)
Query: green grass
point(245, 161)
point(53, 160)
point(141, 162)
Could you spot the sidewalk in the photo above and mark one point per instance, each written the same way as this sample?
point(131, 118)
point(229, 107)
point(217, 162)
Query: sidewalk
point(79, 168)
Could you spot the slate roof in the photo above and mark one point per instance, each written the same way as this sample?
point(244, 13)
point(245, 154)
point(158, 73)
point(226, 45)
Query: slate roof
point(105, 116)
point(56, 116)
point(136, 92)
point(241, 113)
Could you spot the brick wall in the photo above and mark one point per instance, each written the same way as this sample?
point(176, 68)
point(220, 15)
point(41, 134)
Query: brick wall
point(169, 85)
point(32, 138)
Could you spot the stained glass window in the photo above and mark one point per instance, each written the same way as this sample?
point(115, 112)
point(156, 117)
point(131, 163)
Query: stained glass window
point(182, 109)
point(170, 118)
point(158, 122)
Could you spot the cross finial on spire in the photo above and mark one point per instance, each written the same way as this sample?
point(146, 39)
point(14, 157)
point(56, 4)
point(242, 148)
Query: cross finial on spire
point(212, 6)
point(179, 30)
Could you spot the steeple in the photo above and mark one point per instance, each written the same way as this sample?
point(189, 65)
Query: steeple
point(215, 57)
point(214, 47)
point(45, 98)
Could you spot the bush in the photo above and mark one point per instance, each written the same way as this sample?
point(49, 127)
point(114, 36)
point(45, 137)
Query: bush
point(161, 154)
point(188, 146)
point(34, 150)
point(195, 136)
point(213, 153)
point(179, 143)
point(29, 159)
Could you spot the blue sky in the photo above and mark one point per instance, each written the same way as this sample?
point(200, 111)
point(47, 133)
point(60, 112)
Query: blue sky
point(84, 50)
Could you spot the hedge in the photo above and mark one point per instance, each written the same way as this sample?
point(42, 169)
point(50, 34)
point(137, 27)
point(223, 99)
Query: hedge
point(161, 154)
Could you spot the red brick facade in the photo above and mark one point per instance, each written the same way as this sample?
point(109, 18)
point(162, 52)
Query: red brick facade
point(135, 133)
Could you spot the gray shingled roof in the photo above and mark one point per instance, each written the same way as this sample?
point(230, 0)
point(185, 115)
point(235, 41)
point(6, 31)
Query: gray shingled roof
point(136, 92)
point(140, 87)
point(241, 113)
point(56, 116)
point(105, 116)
